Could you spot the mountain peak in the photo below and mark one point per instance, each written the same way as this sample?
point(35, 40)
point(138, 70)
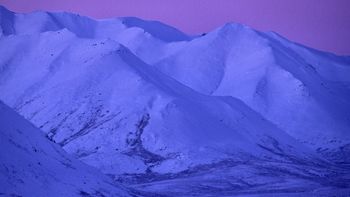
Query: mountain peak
point(234, 29)
point(157, 29)
point(233, 26)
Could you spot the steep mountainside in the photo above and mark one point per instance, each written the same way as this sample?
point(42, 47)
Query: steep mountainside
point(31, 165)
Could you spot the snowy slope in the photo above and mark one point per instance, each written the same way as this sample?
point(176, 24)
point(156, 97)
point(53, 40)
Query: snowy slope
point(305, 92)
point(31, 165)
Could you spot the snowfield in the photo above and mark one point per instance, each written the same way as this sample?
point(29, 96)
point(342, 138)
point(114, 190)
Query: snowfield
point(232, 112)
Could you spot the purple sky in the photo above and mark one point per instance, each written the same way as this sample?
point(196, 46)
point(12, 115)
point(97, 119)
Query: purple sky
point(321, 24)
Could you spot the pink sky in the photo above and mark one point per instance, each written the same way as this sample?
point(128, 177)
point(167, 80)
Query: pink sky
point(321, 24)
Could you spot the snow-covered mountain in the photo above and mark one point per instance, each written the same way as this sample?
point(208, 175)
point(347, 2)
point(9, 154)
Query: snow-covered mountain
point(303, 91)
point(31, 165)
point(142, 101)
